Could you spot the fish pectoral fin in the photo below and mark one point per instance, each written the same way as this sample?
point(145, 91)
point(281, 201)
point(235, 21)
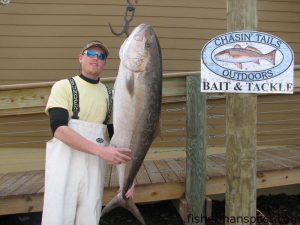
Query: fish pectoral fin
point(130, 84)
point(239, 65)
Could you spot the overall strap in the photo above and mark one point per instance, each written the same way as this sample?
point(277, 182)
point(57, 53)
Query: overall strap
point(75, 94)
point(109, 105)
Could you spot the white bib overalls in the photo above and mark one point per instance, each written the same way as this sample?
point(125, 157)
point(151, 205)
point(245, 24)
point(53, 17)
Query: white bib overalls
point(74, 180)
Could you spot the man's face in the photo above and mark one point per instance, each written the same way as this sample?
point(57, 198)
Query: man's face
point(91, 65)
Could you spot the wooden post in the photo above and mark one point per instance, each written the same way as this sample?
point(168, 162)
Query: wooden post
point(241, 118)
point(196, 152)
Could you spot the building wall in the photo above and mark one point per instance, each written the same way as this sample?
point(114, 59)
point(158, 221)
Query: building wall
point(40, 39)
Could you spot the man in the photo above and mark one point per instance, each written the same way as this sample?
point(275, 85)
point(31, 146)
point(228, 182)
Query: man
point(75, 158)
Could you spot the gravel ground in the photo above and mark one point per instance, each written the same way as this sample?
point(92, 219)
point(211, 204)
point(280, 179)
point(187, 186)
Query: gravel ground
point(273, 210)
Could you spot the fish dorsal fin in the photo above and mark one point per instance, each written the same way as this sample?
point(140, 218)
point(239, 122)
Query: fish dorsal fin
point(250, 48)
point(237, 46)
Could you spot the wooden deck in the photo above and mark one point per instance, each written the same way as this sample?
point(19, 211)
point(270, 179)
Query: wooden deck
point(161, 177)
point(24, 130)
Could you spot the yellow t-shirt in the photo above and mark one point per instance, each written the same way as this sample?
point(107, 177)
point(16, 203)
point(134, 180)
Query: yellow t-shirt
point(93, 99)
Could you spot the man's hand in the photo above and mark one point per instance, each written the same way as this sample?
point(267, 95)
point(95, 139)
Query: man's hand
point(115, 155)
point(130, 192)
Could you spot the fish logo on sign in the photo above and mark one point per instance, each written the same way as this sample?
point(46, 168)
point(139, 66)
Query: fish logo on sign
point(238, 55)
point(247, 62)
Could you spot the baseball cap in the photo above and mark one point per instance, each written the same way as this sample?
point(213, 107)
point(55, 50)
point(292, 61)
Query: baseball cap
point(97, 44)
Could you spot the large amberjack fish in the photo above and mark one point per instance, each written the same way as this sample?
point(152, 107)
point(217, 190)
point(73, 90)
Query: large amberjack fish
point(239, 55)
point(137, 106)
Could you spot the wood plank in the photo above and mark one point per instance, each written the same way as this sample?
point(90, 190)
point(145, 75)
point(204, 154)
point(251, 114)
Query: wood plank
point(23, 159)
point(143, 193)
point(98, 20)
point(177, 169)
point(213, 169)
point(153, 172)
point(268, 165)
point(35, 185)
point(72, 64)
point(166, 3)
point(24, 98)
point(151, 193)
point(9, 183)
point(25, 101)
point(279, 16)
point(278, 6)
point(218, 159)
point(166, 171)
point(266, 179)
point(270, 27)
point(18, 184)
point(116, 10)
point(157, 153)
point(296, 158)
point(142, 176)
point(72, 53)
point(21, 204)
point(278, 178)
point(285, 162)
point(182, 208)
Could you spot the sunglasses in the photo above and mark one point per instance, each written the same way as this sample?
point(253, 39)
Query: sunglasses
point(91, 53)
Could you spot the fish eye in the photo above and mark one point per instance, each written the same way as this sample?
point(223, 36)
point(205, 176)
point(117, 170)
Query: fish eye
point(147, 44)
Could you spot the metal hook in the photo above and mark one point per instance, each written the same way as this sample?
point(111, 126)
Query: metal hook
point(5, 2)
point(125, 30)
point(127, 20)
point(130, 3)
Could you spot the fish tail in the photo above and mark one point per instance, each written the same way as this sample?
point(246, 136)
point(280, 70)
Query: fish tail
point(271, 56)
point(128, 204)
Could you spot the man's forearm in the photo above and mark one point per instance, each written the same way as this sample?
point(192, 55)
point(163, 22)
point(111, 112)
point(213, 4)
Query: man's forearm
point(112, 154)
point(76, 141)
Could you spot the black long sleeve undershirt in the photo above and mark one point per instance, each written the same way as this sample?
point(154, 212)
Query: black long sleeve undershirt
point(60, 117)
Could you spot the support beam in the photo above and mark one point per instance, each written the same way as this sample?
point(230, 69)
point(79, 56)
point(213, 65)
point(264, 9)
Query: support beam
point(181, 207)
point(196, 150)
point(241, 118)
